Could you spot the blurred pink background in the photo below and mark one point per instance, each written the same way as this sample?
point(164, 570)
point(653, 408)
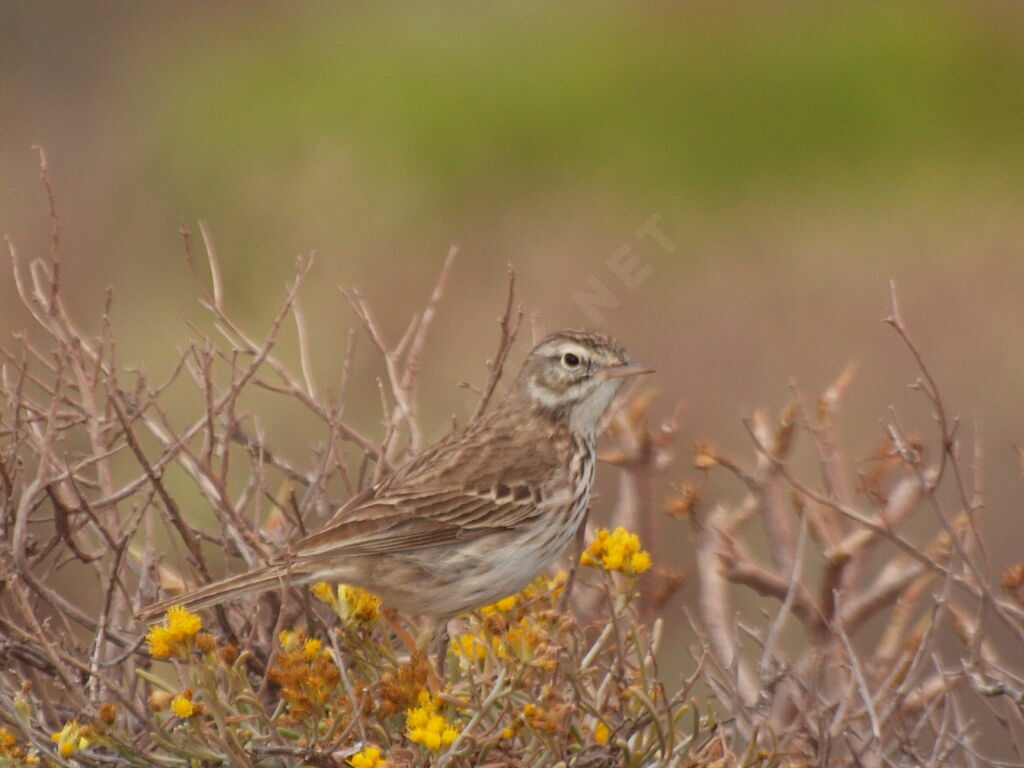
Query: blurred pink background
point(794, 158)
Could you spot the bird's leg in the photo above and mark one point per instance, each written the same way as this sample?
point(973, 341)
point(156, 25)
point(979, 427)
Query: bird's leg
point(441, 638)
point(391, 617)
point(581, 541)
point(434, 675)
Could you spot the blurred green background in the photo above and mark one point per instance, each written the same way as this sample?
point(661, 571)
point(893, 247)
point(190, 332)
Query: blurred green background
point(796, 156)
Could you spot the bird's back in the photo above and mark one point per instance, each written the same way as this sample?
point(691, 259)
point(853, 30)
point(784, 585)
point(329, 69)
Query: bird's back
point(499, 448)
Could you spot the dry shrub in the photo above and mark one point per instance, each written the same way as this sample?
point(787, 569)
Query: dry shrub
point(894, 662)
point(97, 479)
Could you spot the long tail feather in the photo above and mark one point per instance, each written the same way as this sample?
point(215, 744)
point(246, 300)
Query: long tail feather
point(217, 592)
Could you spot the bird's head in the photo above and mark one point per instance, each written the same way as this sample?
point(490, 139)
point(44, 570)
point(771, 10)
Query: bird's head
point(574, 375)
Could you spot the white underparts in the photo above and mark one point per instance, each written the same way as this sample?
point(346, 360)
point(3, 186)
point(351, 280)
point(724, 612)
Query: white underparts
point(587, 413)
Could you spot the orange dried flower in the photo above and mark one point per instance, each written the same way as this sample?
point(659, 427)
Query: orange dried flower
point(107, 713)
point(704, 456)
point(684, 503)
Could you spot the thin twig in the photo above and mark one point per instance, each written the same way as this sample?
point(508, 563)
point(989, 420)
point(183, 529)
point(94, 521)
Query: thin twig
point(509, 329)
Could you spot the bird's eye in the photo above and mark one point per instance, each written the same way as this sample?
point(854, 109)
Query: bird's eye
point(570, 360)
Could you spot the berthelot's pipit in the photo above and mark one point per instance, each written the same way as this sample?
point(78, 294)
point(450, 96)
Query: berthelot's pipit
point(476, 516)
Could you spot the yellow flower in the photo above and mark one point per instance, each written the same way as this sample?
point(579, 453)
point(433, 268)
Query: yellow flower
point(368, 758)
point(502, 606)
point(545, 586)
point(424, 725)
point(601, 733)
point(311, 648)
point(159, 643)
point(614, 559)
point(322, 591)
point(71, 737)
point(618, 550)
point(288, 639)
point(557, 583)
point(183, 706)
point(467, 646)
point(181, 624)
point(179, 628)
point(357, 606)
point(500, 648)
point(429, 739)
point(13, 755)
point(416, 718)
point(640, 561)
point(543, 719)
point(522, 640)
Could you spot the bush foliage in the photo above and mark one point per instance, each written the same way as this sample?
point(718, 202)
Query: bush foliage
point(884, 648)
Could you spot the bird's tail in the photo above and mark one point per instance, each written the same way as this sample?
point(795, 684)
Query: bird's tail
point(217, 592)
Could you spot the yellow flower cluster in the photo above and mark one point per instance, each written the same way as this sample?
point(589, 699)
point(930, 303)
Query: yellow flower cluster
point(424, 725)
point(298, 644)
point(601, 733)
point(71, 738)
point(519, 641)
point(524, 642)
point(542, 718)
point(546, 587)
point(179, 628)
point(469, 646)
point(368, 758)
point(355, 607)
point(618, 550)
point(400, 686)
point(305, 672)
point(516, 627)
point(504, 605)
point(322, 591)
point(548, 711)
point(11, 753)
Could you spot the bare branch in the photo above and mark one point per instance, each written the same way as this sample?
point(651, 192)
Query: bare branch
point(509, 329)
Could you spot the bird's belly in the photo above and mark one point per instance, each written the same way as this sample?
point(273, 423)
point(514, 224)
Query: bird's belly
point(446, 581)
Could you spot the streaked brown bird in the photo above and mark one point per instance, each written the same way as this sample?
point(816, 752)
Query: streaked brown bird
point(476, 516)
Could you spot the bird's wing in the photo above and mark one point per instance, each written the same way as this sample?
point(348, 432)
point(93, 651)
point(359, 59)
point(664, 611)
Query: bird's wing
point(403, 521)
point(489, 477)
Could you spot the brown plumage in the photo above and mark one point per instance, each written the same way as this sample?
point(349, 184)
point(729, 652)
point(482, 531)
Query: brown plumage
point(479, 514)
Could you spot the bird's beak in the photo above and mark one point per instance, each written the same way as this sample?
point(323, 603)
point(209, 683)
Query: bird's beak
point(627, 369)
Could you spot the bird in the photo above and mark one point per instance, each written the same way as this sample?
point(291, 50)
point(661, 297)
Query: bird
point(476, 516)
